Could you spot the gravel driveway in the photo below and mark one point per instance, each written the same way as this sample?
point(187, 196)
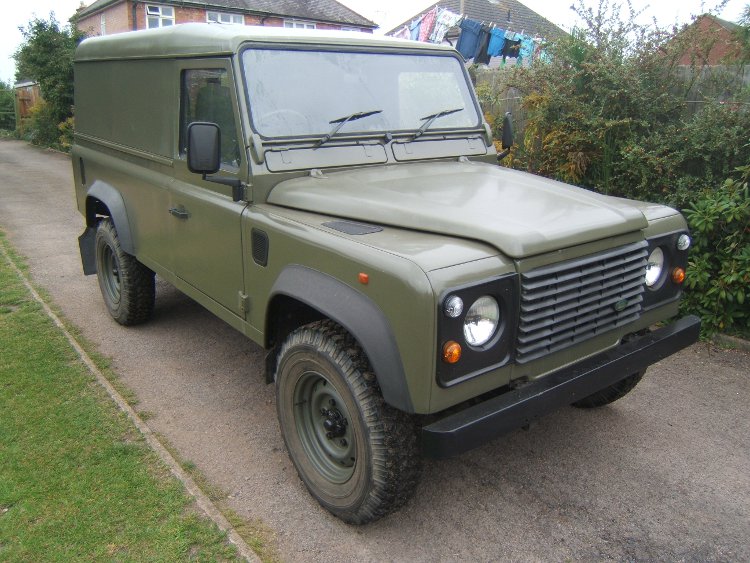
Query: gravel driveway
point(663, 474)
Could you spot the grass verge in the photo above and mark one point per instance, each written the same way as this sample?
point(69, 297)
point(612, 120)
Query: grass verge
point(261, 538)
point(77, 481)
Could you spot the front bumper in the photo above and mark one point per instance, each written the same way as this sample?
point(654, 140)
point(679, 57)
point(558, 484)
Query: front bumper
point(475, 425)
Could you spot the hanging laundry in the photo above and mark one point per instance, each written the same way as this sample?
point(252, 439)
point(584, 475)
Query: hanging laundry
point(497, 42)
point(445, 20)
point(403, 33)
point(538, 47)
point(468, 41)
point(414, 28)
point(481, 57)
point(428, 23)
point(511, 47)
point(526, 50)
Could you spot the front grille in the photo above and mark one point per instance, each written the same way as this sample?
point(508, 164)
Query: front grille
point(569, 302)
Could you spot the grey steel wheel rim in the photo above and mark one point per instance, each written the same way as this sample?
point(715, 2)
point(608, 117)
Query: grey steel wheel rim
point(324, 428)
point(110, 269)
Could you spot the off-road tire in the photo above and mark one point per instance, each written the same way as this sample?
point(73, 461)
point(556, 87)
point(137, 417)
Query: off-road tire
point(610, 394)
point(127, 286)
point(378, 467)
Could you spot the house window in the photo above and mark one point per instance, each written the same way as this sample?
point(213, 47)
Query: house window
point(103, 24)
point(345, 28)
point(224, 17)
point(298, 24)
point(159, 16)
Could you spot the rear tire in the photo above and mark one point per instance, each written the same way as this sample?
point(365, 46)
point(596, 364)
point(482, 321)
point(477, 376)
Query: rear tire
point(127, 286)
point(356, 455)
point(610, 394)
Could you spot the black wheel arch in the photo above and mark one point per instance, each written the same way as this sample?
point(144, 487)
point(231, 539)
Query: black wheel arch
point(104, 199)
point(302, 295)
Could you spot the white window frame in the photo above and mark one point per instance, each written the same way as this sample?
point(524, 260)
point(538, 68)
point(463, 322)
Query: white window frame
point(224, 17)
point(349, 28)
point(164, 16)
point(299, 24)
point(103, 24)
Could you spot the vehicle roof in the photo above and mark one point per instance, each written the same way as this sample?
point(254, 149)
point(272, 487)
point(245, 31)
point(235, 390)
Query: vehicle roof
point(202, 39)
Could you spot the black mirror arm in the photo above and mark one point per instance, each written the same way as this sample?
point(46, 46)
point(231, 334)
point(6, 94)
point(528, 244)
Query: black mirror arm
point(236, 184)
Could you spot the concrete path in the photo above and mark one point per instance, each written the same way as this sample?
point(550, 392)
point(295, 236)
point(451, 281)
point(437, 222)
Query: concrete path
point(663, 474)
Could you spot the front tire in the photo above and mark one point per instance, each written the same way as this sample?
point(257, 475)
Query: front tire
point(610, 394)
point(356, 455)
point(127, 286)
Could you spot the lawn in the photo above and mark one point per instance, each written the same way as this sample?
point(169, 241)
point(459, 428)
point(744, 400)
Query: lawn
point(77, 481)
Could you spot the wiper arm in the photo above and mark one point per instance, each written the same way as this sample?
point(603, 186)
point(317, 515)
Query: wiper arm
point(430, 119)
point(341, 121)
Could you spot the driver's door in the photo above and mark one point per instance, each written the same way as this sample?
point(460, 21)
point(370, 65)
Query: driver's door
point(206, 233)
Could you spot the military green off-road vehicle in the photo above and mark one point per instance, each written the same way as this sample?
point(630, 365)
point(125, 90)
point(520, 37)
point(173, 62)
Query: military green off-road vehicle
point(337, 198)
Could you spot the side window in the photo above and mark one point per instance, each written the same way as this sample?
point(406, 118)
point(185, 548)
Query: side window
point(206, 97)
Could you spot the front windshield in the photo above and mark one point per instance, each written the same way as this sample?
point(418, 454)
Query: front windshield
point(300, 93)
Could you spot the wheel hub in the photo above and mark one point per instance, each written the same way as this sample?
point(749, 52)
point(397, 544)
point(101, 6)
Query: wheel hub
point(334, 423)
point(322, 422)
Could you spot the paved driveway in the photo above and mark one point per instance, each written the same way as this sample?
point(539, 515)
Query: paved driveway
point(663, 474)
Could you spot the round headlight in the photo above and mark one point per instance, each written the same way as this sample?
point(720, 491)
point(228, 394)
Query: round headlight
point(481, 321)
point(655, 267)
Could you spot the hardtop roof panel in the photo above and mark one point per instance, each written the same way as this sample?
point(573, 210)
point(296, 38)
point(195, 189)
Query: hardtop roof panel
point(201, 39)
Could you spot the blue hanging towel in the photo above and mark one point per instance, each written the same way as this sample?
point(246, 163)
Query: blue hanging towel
point(497, 42)
point(468, 42)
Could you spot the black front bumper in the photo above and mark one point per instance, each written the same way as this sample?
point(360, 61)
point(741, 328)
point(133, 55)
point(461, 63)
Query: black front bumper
point(480, 423)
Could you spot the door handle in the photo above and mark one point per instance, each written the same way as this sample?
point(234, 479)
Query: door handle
point(179, 212)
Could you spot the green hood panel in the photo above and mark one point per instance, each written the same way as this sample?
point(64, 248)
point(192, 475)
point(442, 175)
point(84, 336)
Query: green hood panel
point(518, 213)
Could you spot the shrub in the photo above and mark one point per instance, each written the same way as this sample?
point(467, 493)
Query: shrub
point(41, 128)
point(66, 130)
point(676, 161)
point(718, 281)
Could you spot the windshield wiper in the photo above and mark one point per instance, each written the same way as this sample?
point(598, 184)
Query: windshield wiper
point(341, 121)
point(430, 119)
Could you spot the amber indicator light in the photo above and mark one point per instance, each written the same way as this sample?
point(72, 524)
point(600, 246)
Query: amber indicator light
point(451, 352)
point(678, 275)
point(364, 279)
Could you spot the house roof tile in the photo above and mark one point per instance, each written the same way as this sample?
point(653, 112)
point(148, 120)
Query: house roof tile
point(506, 14)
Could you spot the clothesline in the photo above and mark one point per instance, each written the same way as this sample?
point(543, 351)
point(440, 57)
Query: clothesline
point(477, 40)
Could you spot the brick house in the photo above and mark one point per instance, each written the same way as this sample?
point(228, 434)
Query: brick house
point(105, 17)
point(712, 41)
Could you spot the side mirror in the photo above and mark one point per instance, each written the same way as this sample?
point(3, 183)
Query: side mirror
point(203, 147)
point(507, 130)
point(507, 140)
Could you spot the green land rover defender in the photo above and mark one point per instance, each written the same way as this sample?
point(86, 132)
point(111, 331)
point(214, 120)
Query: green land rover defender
point(337, 198)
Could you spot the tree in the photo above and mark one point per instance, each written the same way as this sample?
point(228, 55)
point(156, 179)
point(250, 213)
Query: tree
point(743, 34)
point(46, 56)
point(7, 112)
